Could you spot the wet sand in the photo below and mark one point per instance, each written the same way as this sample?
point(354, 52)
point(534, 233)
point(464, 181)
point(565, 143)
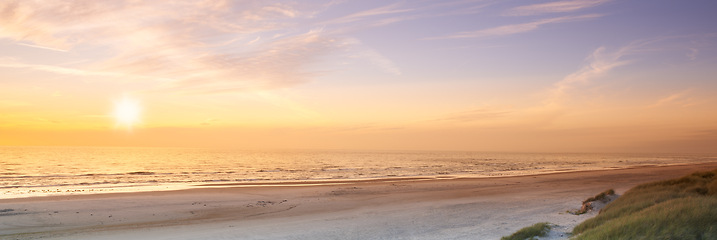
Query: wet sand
point(477, 208)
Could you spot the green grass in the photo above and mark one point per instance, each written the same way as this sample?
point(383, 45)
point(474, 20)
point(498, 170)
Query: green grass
point(684, 208)
point(537, 230)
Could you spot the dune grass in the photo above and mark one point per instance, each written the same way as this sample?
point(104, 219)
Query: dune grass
point(684, 208)
point(537, 230)
point(601, 196)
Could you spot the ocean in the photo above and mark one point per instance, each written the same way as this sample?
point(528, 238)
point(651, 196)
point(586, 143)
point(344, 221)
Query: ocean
point(42, 171)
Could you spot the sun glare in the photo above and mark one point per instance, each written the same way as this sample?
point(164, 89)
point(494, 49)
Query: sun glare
point(127, 112)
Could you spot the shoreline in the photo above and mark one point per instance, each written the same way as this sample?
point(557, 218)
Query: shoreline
point(386, 208)
point(129, 189)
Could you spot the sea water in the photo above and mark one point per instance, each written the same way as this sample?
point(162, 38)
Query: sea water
point(39, 171)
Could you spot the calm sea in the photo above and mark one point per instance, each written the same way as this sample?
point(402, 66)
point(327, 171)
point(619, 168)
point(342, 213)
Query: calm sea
point(36, 171)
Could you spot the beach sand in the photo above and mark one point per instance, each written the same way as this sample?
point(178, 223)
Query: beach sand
point(464, 208)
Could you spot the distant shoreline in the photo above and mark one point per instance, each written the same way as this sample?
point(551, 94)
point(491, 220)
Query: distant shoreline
point(316, 182)
point(75, 171)
point(334, 182)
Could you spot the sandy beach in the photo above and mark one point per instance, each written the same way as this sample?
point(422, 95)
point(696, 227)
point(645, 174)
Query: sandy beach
point(419, 208)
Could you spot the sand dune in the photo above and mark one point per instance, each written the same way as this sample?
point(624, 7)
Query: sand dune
point(486, 208)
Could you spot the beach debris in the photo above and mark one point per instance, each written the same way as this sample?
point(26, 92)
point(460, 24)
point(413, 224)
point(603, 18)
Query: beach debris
point(265, 203)
point(8, 212)
point(344, 191)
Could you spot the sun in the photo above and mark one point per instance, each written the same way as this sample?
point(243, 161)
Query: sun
point(127, 112)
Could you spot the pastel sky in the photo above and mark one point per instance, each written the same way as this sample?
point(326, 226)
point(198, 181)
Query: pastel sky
point(543, 76)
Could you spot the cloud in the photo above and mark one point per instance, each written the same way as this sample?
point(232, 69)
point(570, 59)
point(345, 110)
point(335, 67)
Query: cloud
point(681, 99)
point(361, 128)
point(517, 28)
point(602, 61)
point(599, 63)
point(358, 50)
point(554, 7)
point(42, 47)
point(462, 7)
point(12, 63)
point(47, 120)
point(396, 13)
point(476, 115)
point(13, 104)
point(254, 41)
point(384, 10)
point(380, 61)
point(692, 54)
point(276, 64)
point(194, 47)
point(190, 46)
point(208, 121)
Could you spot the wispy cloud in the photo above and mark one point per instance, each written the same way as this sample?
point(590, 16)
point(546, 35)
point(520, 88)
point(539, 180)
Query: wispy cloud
point(192, 46)
point(359, 51)
point(599, 63)
point(692, 54)
point(554, 7)
point(13, 103)
point(517, 28)
point(208, 121)
point(476, 115)
point(12, 63)
point(42, 47)
point(254, 41)
point(366, 127)
point(384, 10)
point(681, 98)
point(602, 61)
point(274, 65)
point(402, 11)
point(196, 47)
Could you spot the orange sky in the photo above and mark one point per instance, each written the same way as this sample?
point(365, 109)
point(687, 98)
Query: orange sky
point(554, 76)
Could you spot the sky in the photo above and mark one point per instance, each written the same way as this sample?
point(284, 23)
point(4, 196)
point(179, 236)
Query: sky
point(464, 75)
